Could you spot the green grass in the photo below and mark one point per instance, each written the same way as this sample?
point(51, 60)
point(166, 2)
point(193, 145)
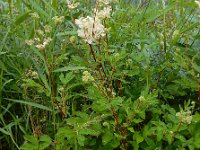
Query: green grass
point(146, 70)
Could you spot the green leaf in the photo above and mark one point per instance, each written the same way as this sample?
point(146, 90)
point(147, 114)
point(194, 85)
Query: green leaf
point(28, 146)
point(88, 131)
point(196, 67)
point(22, 18)
point(69, 68)
point(137, 137)
point(44, 142)
point(30, 104)
point(4, 131)
point(32, 139)
point(81, 140)
point(107, 137)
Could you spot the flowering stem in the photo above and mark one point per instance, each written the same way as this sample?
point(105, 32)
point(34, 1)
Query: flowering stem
point(93, 54)
point(107, 41)
point(123, 133)
point(53, 94)
point(107, 92)
point(199, 94)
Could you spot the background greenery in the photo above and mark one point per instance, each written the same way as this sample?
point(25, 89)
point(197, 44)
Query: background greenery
point(153, 59)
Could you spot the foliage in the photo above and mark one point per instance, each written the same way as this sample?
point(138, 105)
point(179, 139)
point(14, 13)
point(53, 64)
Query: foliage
point(113, 74)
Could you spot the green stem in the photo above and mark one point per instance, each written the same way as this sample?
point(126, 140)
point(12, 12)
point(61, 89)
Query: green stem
point(1, 88)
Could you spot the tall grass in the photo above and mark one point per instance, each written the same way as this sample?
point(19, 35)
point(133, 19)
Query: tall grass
point(42, 93)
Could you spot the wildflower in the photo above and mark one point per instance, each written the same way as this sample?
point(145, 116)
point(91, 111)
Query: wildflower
point(36, 39)
point(105, 13)
point(58, 19)
point(44, 44)
point(184, 116)
point(61, 89)
point(35, 15)
point(47, 41)
point(104, 2)
point(47, 28)
point(40, 32)
point(29, 42)
point(90, 29)
point(72, 5)
point(113, 94)
point(198, 3)
point(87, 77)
point(141, 98)
point(40, 46)
point(34, 75)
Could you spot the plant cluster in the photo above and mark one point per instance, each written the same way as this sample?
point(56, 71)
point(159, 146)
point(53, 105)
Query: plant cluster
point(99, 74)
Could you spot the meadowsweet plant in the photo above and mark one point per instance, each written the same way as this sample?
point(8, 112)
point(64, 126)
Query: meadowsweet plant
point(99, 74)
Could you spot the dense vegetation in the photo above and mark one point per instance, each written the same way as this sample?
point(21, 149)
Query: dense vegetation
point(105, 74)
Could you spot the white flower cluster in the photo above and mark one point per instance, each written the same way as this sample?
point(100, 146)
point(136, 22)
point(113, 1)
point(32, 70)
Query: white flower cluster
point(91, 28)
point(72, 5)
point(105, 2)
point(87, 77)
point(184, 116)
point(35, 15)
point(104, 13)
point(198, 3)
point(44, 44)
point(32, 74)
point(41, 45)
point(58, 19)
point(47, 29)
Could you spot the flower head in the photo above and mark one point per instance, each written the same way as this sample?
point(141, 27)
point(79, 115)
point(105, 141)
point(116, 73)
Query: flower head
point(35, 15)
point(104, 2)
point(47, 28)
point(58, 19)
point(87, 77)
point(90, 29)
point(184, 116)
point(198, 3)
point(104, 13)
point(29, 42)
point(72, 5)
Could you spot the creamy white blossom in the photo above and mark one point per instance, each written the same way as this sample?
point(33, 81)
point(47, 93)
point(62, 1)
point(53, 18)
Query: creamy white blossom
point(40, 46)
point(87, 77)
point(29, 42)
point(47, 41)
point(72, 4)
point(40, 32)
point(198, 3)
point(44, 44)
point(104, 13)
point(35, 15)
point(105, 2)
point(47, 28)
point(58, 19)
point(90, 29)
point(184, 116)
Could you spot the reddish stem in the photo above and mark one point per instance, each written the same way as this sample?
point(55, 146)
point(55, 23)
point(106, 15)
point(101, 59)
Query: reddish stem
point(199, 94)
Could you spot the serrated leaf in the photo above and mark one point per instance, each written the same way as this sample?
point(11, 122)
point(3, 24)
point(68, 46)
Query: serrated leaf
point(107, 137)
point(32, 139)
point(88, 131)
